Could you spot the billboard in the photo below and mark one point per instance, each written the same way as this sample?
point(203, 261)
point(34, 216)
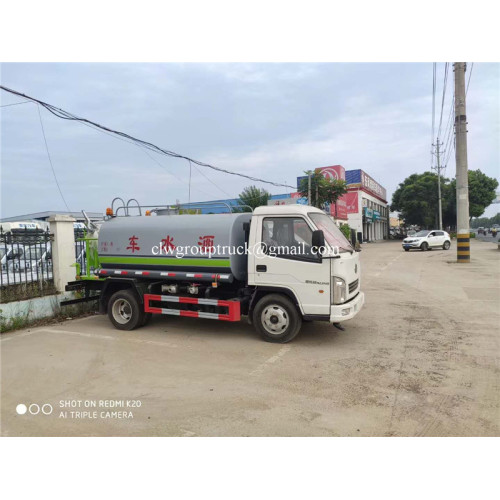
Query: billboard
point(352, 202)
point(332, 173)
point(339, 209)
point(362, 179)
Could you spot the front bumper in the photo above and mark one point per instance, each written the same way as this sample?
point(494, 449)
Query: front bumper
point(412, 245)
point(344, 312)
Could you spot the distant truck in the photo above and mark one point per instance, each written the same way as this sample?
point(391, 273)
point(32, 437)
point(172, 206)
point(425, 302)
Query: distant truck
point(279, 265)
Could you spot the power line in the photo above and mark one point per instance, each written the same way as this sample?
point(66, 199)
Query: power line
point(433, 108)
point(65, 115)
point(50, 160)
point(210, 180)
point(468, 81)
point(444, 95)
point(14, 104)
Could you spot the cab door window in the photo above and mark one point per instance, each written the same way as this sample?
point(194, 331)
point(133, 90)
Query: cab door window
point(288, 238)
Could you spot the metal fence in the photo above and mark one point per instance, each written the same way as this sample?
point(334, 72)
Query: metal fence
point(26, 260)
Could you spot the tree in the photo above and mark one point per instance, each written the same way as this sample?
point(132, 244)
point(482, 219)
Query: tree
point(323, 190)
point(485, 221)
point(417, 199)
point(481, 193)
point(253, 197)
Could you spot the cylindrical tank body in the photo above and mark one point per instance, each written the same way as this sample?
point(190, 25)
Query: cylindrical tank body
point(207, 243)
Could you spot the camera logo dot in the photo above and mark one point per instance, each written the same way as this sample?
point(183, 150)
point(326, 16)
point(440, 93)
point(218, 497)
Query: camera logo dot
point(21, 409)
point(47, 409)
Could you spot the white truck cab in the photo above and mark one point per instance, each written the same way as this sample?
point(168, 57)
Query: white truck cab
point(325, 283)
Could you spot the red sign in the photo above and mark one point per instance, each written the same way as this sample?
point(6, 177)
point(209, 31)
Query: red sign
point(339, 209)
point(352, 202)
point(335, 172)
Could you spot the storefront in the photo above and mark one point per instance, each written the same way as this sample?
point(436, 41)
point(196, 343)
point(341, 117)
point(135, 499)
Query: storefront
point(367, 208)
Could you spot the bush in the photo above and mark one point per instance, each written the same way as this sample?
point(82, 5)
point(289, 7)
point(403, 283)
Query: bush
point(346, 230)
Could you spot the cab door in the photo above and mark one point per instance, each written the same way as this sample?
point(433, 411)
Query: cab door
point(282, 257)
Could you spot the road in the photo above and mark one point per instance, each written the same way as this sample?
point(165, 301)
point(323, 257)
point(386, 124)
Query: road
point(421, 359)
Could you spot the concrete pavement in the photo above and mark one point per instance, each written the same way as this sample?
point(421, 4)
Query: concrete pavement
point(421, 359)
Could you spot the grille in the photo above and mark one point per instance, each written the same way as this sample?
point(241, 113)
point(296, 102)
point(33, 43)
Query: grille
point(353, 286)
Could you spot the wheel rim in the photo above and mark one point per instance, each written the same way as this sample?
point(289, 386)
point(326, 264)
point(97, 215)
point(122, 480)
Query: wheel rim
point(275, 319)
point(122, 311)
point(447, 245)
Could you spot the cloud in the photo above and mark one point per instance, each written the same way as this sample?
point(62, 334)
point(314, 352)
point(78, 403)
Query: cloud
point(267, 120)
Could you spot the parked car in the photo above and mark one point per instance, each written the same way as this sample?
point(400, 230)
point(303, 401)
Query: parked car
point(426, 240)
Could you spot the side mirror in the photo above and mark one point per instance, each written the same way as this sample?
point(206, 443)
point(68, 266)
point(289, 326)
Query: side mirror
point(318, 240)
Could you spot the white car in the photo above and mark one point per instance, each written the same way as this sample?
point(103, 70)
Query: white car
point(426, 240)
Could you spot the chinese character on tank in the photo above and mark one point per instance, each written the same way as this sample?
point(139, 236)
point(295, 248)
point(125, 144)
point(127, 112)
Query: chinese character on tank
point(167, 243)
point(133, 244)
point(206, 242)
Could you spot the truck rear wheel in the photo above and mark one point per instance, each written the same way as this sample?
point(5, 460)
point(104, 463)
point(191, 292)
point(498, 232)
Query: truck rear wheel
point(276, 318)
point(125, 311)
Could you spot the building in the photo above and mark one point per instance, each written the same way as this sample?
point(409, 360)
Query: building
point(363, 207)
point(367, 207)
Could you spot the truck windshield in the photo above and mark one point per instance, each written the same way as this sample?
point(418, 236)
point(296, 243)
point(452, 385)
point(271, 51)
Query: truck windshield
point(333, 235)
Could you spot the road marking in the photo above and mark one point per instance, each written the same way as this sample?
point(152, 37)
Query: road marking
point(110, 337)
point(271, 360)
point(14, 335)
point(91, 335)
point(383, 268)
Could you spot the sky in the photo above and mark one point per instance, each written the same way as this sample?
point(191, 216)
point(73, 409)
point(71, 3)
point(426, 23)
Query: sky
point(268, 120)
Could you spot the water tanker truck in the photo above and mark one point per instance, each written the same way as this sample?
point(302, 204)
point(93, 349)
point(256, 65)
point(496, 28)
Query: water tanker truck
point(279, 266)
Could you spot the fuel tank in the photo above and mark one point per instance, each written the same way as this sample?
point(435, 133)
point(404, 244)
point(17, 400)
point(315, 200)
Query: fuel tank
point(207, 243)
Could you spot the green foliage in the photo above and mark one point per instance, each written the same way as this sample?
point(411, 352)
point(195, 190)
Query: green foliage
point(253, 197)
point(189, 211)
point(322, 190)
point(481, 192)
point(346, 230)
point(417, 198)
point(485, 221)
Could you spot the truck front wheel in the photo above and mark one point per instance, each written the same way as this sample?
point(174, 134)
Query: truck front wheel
point(276, 318)
point(124, 310)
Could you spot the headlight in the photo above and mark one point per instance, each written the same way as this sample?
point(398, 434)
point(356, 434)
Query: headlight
point(339, 290)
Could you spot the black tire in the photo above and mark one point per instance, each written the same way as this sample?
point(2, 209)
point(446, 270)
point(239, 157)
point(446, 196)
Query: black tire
point(286, 323)
point(446, 245)
point(147, 318)
point(125, 311)
point(424, 246)
point(407, 249)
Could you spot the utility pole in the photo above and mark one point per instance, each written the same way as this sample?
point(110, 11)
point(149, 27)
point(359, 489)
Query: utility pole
point(438, 168)
point(309, 188)
point(462, 176)
point(189, 194)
